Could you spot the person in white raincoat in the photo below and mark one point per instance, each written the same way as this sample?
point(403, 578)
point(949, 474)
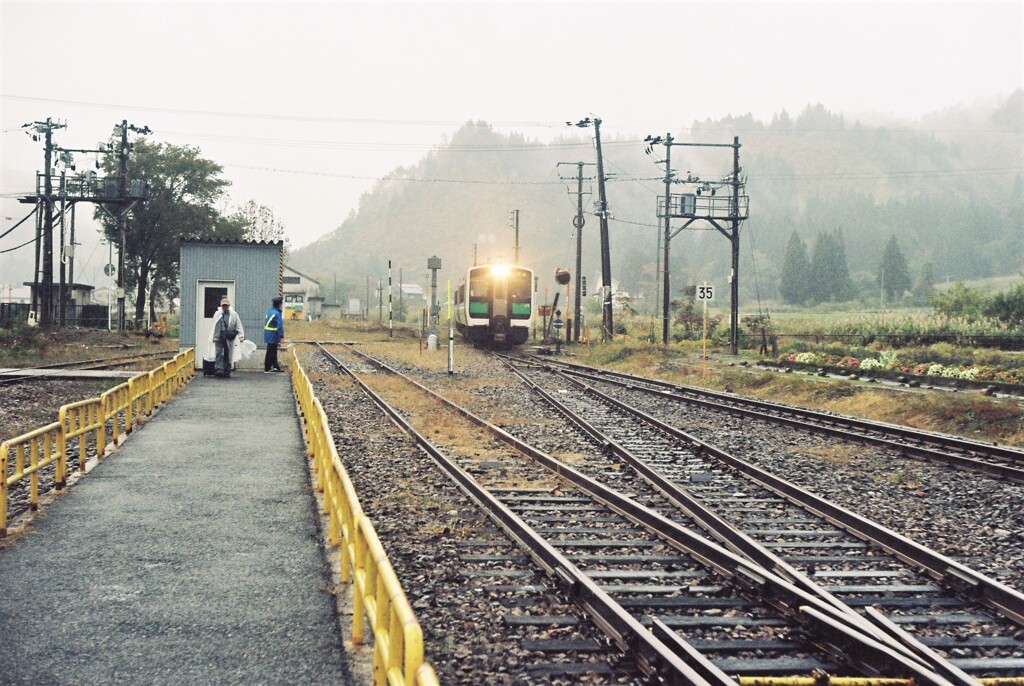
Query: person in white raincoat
point(225, 335)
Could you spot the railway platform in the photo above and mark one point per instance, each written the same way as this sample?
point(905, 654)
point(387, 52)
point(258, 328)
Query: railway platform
point(189, 555)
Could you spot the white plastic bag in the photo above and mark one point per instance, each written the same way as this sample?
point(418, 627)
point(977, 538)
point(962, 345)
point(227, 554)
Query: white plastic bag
point(248, 348)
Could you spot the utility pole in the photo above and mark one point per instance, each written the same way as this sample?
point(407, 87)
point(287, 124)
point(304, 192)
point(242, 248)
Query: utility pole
point(71, 256)
point(701, 205)
point(577, 222)
point(666, 289)
point(62, 293)
point(607, 326)
point(45, 289)
point(734, 277)
point(122, 220)
point(514, 222)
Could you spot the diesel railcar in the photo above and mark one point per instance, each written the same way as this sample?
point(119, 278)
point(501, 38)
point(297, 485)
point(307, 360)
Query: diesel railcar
point(494, 305)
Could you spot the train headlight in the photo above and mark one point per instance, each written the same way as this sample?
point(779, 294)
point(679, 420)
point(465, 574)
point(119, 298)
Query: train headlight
point(501, 270)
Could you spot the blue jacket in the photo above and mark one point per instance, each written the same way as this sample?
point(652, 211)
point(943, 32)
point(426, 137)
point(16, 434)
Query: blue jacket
point(273, 330)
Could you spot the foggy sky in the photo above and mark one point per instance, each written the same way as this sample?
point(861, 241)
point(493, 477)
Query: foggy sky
point(306, 104)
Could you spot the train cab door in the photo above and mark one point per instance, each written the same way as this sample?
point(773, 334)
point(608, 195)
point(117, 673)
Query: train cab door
point(208, 297)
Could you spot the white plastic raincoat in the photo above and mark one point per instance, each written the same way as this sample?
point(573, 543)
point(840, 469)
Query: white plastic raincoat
point(233, 347)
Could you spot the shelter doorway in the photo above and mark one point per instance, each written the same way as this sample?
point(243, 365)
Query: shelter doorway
point(208, 297)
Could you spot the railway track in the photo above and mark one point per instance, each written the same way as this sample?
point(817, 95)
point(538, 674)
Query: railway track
point(97, 363)
point(1000, 461)
point(783, 590)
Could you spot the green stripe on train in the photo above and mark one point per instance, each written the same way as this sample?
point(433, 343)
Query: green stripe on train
point(521, 309)
point(479, 308)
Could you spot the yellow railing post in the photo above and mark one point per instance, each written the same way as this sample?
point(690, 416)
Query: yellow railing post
point(377, 594)
point(33, 479)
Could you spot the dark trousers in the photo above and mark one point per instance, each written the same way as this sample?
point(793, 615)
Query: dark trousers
point(270, 361)
point(223, 365)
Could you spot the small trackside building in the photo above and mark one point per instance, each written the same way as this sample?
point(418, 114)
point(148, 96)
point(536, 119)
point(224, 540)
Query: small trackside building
point(248, 273)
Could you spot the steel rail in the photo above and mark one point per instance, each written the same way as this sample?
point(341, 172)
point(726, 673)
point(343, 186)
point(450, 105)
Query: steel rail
point(649, 653)
point(97, 363)
point(830, 629)
point(1003, 599)
point(733, 537)
point(851, 428)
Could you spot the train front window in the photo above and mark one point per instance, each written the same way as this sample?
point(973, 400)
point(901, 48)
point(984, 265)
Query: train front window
point(479, 295)
point(520, 287)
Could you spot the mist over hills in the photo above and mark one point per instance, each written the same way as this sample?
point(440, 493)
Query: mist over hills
point(949, 186)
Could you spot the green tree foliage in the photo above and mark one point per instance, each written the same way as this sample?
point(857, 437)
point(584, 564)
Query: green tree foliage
point(960, 301)
point(893, 273)
point(829, 276)
point(1008, 307)
point(924, 287)
point(183, 189)
point(260, 223)
point(796, 270)
point(808, 170)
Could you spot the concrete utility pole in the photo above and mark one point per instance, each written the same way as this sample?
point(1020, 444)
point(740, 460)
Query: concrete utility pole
point(734, 278)
point(122, 220)
point(666, 289)
point(701, 205)
point(514, 222)
point(578, 222)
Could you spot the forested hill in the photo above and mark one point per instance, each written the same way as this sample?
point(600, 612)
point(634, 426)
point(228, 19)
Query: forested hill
point(949, 187)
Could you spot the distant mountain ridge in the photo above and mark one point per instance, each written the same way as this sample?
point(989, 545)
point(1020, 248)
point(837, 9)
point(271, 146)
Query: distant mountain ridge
point(950, 187)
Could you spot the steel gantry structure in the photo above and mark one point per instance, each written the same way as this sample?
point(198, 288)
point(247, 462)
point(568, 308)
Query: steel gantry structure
point(724, 212)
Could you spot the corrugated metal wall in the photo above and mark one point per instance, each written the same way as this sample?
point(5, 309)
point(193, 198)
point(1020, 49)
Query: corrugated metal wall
point(254, 267)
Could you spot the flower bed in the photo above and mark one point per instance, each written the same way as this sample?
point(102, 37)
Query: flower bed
point(888, 365)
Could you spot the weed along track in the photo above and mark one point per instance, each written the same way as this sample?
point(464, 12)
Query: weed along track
point(679, 567)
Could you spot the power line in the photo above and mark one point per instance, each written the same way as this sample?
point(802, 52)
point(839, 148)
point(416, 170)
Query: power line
point(285, 117)
point(396, 178)
point(28, 242)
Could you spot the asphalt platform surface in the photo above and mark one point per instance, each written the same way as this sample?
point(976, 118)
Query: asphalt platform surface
point(190, 555)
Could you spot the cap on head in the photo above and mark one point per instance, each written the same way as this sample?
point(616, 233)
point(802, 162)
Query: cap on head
point(277, 300)
point(225, 301)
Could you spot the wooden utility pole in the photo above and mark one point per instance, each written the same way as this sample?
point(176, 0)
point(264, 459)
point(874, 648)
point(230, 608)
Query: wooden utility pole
point(608, 327)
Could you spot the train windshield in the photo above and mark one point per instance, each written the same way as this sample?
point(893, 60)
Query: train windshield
point(520, 290)
point(479, 294)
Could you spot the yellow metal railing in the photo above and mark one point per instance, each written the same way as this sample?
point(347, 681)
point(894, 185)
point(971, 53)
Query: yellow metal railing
point(123, 407)
point(377, 592)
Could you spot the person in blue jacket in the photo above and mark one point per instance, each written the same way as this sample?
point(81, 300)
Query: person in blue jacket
point(273, 334)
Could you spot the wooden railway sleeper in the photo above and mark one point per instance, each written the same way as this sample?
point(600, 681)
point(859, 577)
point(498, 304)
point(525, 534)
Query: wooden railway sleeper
point(734, 538)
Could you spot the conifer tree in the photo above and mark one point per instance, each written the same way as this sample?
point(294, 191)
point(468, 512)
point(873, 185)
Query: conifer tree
point(893, 273)
point(830, 277)
point(796, 271)
point(924, 287)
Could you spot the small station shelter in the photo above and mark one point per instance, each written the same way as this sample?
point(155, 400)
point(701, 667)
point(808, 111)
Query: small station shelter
point(248, 273)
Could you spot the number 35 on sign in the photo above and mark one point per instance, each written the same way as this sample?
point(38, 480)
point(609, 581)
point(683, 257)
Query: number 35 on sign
point(705, 292)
